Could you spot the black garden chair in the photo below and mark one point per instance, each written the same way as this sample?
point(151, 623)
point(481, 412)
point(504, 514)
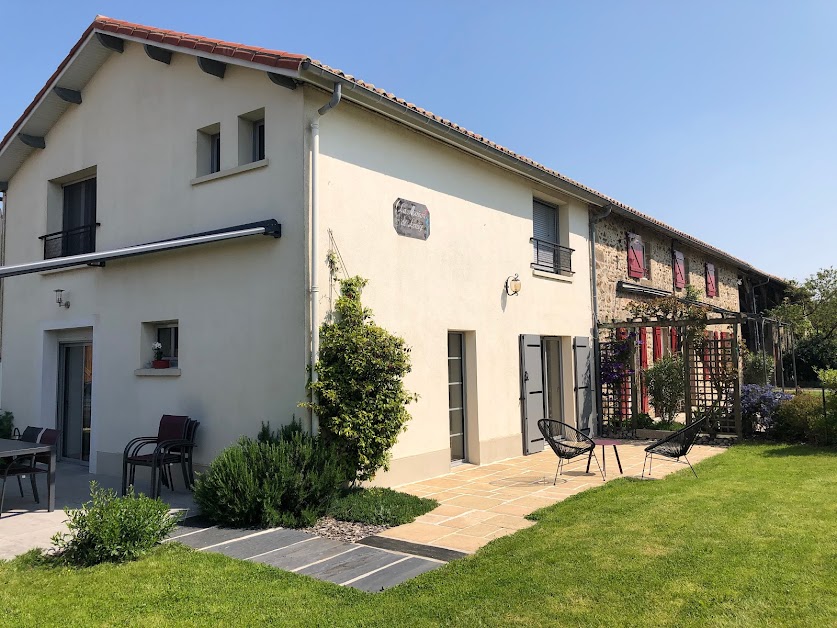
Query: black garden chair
point(675, 446)
point(568, 443)
point(41, 435)
point(18, 467)
point(173, 444)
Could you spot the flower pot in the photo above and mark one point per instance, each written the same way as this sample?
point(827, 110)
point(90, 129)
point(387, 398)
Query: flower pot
point(160, 364)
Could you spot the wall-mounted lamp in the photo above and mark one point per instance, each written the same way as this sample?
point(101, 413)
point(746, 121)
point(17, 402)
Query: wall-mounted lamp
point(513, 285)
point(59, 299)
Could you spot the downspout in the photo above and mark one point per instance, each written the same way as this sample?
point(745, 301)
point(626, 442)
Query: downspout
point(315, 249)
point(594, 291)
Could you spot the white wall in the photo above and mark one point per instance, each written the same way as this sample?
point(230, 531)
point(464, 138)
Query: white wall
point(239, 304)
point(481, 223)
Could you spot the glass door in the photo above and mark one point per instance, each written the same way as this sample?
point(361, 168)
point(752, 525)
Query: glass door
point(456, 395)
point(75, 388)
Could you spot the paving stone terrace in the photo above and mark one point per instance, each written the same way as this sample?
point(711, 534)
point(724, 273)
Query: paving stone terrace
point(481, 503)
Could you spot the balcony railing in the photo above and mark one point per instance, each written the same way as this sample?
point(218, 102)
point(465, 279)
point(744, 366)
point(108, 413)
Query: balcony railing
point(551, 257)
point(70, 242)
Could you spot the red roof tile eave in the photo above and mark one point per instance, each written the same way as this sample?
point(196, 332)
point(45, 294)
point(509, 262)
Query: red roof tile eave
point(291, 61)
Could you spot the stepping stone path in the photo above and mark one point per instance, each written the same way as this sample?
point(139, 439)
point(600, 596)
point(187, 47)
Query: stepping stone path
point(373, 564)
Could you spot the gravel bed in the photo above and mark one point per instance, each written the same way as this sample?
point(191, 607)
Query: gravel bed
point(347, 531)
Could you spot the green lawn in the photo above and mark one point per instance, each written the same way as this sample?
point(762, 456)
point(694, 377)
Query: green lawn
point(752, 542)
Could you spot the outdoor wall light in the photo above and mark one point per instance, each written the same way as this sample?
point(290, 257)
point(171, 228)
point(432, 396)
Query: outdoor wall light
point(513, 285)
point(59, 299)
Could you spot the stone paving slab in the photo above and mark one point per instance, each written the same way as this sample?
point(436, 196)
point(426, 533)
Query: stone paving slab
point(363, 566)
point(394, 574)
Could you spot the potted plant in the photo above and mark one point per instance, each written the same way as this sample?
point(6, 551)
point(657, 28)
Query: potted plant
point(158, 362)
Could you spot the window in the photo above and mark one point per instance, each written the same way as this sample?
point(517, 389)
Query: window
point(209, 150)
point(636, 256)
point(167, 335)
point(678, 268)
point(549, 255)
point(711, 281)
point(251, 137)
point(71, 213)
point(258, 140)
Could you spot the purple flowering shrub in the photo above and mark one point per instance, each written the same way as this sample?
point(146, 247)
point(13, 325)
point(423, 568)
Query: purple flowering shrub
point(759, 404)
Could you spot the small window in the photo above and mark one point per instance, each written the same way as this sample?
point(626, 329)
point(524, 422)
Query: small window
point(258, 140)
point(209, 150)
point(167, 335)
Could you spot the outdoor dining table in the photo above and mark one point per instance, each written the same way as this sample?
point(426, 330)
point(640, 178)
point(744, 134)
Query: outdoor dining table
point(604, 442)
point(13, 448)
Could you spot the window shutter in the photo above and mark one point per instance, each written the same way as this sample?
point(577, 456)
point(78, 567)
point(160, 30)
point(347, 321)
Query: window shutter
point(658, 343)
point(674, 340)
point(636, 261)
point(544, 222)
point(711, 282)
point(679, 268)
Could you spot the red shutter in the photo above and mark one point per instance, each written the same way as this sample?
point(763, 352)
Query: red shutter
point(658, 343)
point(643, 363)
point(636, 257)
point(726, 348)
point(679, 268)
point(625, 405)
point(711, 282)
point(674, 340)
point(707, 355)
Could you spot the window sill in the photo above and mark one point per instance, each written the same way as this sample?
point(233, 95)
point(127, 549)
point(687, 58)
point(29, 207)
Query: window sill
point(172, 372)
point(231, 171)
point(553, 276)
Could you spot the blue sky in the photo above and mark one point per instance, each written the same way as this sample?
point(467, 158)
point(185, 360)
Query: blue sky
point(715, 117)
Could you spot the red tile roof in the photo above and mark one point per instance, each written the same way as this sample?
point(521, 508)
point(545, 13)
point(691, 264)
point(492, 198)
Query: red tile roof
point(296, 62)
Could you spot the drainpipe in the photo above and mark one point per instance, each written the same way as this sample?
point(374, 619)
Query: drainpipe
point(315, 239)
point(595, 218)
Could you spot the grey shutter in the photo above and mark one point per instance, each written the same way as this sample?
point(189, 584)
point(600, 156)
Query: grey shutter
point(583, 383)
point(544, 223)
point(531, 392)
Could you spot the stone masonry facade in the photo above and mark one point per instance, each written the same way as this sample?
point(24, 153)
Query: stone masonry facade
point(612, 267)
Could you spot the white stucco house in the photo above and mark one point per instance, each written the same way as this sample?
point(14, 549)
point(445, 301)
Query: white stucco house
point(166, 187)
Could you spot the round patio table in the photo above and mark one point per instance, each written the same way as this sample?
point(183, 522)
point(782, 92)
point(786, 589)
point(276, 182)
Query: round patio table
point(604, 442)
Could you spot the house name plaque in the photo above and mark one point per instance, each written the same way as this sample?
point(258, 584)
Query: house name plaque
point(411, 219)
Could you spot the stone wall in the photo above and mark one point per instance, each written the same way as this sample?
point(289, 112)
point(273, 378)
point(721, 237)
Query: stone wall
point(612, 267)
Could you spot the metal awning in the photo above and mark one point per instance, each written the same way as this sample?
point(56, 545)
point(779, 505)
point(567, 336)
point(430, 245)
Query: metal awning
point(265, 227)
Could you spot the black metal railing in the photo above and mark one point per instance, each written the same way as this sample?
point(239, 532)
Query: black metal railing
point(70, 242)
point(551, 257)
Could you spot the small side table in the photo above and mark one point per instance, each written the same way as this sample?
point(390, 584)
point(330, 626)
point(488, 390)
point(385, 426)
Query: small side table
point(604, 442)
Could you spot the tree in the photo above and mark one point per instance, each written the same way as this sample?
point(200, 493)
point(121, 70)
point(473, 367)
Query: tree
point(666, 386)
point(359, 395)
point(810, 309)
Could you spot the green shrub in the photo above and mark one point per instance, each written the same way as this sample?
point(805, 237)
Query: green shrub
point(664, 424)
point(359, 396)
point(758, 367)
point(801, 419)
point(7, 421)
point(380, 506)
point(666, 386)
point(284, 478)
point(112, 529)
point(643, 421)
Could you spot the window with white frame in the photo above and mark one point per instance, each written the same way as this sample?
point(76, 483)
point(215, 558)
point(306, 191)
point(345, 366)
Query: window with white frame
point(251, 137)
point(167, 336)
point(209, 150)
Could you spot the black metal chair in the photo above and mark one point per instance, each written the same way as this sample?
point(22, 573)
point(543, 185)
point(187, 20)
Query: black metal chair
point(19, 467)
point(568, 443)
point(675, 446)
point(172, 445)
point(42, 435)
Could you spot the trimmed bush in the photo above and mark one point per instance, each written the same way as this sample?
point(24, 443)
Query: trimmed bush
point(666, 386)
point(380, 506)
point(112, 529)
point(7, 421)
point(284, 478)
point(801, 419)
point(643, 421)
